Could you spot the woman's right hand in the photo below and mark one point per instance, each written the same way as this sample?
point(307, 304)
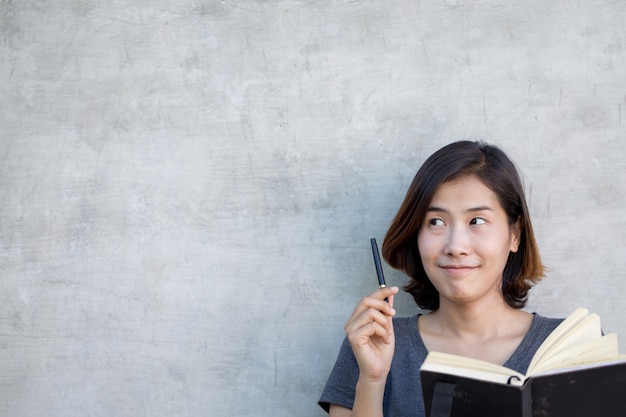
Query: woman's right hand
point(370, 332)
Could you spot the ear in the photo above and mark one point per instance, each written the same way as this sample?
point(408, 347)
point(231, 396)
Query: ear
point(516, 234)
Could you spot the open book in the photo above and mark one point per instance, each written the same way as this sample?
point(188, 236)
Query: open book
point(573, 358)
point(577, 342)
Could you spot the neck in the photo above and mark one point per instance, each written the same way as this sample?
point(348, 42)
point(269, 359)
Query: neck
point(473, 320)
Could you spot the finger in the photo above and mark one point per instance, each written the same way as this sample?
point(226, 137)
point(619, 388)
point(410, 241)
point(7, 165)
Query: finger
point(355, 326)
point(374, 301)
point(389, 317)
point(367, 316)
point(379, 299)
point(371, 309)
point(361, 335)
point(385, 292)
point(378, 331)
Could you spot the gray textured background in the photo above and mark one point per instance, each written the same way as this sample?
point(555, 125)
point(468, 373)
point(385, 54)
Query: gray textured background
point(189, 187)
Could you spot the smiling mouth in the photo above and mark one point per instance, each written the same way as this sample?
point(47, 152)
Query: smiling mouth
point(458, 268)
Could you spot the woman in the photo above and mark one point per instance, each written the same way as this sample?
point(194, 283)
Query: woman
point(463, 236)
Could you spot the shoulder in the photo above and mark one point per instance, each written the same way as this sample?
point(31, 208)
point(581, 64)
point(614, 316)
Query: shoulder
point(544, 325)
point(540, 329)
point(406, 327)
point(405, 323)
point(408, 339)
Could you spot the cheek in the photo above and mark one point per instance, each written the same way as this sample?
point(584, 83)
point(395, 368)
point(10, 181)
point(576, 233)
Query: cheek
point(422, 244)
point(427, 246)
point(497, 248)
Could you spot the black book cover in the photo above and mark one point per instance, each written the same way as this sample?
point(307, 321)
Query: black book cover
point(475, 398)
point(596, 391)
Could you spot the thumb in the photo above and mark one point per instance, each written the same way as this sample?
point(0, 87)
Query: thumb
point(391, 297)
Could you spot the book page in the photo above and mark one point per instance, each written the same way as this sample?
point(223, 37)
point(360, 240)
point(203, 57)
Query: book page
point(467, 367)
point(573, 368)
point(559, 335)
point(576, 341)
point(595, 350)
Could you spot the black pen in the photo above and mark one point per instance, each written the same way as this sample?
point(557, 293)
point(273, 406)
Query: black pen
point(379, 267)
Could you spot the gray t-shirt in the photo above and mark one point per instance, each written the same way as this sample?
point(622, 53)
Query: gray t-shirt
point(403, 391)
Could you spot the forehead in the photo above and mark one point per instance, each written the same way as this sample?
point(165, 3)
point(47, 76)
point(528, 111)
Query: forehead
point(468, 191)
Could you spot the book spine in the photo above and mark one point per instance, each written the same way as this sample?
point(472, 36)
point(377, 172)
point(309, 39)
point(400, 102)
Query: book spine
point(527, 399)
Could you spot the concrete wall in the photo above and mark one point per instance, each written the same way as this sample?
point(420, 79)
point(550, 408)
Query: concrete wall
point(189, 187)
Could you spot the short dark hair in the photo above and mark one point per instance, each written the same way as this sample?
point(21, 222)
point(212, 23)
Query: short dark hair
point(454, 161)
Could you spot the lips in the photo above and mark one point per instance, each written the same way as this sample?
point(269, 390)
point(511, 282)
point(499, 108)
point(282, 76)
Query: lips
point(458, 269)
point(456, 266)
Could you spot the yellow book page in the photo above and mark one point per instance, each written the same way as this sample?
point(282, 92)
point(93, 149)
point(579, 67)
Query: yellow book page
point(615, 361)
point(588, 329)
point(595, 350)
point(468, 367)
point(567, 326)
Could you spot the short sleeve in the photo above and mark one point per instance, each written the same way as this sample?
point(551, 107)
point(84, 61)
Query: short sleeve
point(341, 385)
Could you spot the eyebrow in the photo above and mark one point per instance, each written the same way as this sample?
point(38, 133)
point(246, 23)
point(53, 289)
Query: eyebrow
point(469, 210)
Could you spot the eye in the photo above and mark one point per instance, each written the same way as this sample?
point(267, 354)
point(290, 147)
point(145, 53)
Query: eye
point(478, 221)
point(436, 222)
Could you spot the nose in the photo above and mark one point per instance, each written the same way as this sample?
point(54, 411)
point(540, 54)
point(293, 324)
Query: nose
point(457, 242)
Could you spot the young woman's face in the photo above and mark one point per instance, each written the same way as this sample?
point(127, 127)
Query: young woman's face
point(465, 240)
